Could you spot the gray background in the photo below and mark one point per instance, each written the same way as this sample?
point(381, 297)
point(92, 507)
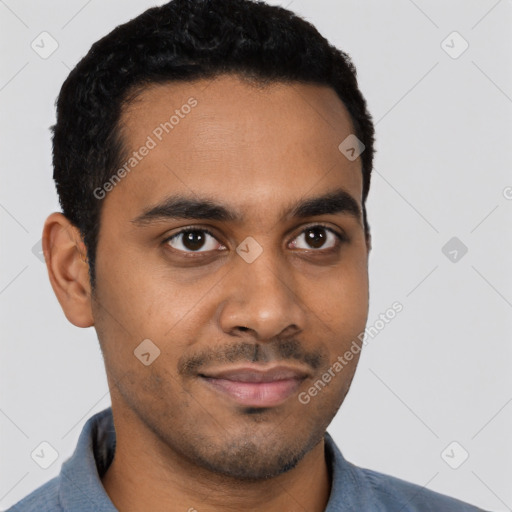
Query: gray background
point(439, 372)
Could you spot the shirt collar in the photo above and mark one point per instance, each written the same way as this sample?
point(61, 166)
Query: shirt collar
point(349, 490)
point(80, 477)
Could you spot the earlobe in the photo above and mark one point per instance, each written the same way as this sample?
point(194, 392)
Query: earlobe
point(68, 269)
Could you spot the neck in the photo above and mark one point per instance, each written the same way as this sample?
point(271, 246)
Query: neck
point(147, 476)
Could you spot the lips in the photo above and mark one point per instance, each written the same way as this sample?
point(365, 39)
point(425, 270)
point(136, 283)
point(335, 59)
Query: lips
point(256, 387)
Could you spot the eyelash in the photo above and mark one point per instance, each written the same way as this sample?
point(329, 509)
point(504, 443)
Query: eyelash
point(342, 238)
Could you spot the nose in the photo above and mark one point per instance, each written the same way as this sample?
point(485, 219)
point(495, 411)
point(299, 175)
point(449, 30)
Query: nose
point(261, 300)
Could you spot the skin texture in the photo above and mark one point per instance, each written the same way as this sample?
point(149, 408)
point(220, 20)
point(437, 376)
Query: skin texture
point(258, 150)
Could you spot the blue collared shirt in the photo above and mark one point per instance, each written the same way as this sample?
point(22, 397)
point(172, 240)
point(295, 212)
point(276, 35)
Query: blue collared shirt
point(78, 487)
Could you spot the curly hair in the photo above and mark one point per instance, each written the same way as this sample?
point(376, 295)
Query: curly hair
point(183, 40)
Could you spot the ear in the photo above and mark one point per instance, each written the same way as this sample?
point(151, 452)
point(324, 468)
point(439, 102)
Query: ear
point(369, 241)
point(68, 268)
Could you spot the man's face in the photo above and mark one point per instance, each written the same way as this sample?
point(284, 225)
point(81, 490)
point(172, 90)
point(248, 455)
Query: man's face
point(294, 296)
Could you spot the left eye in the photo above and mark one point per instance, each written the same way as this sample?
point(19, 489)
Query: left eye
point(317, 236)
point(202, 240)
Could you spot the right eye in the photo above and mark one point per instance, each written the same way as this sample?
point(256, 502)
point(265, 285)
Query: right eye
point(190, 240)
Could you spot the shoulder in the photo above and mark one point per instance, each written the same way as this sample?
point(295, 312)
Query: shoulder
point(42, 499)
point(356, 488)
point(399, 494)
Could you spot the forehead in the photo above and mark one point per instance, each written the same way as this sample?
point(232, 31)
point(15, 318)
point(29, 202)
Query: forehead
point(229, 105)
point(228, 139)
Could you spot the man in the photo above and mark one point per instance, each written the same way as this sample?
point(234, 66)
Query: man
point(212, 160)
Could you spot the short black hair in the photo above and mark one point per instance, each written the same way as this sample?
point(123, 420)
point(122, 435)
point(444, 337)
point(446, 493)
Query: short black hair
point(183, 40)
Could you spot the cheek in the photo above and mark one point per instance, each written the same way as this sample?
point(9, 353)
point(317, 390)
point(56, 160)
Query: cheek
point(136, 303)
point(133, 292)
point(339, 298)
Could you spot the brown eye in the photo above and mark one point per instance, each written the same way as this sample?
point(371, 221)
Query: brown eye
point(193, 240)
point(315, 237)
point(318, 237)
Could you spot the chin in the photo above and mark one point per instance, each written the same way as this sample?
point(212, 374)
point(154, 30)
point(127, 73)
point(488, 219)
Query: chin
point(250, 460)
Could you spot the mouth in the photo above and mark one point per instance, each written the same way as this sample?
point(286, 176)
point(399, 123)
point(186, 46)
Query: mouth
point(253, 386)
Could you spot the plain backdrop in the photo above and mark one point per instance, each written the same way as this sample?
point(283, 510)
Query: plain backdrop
point(439, 372)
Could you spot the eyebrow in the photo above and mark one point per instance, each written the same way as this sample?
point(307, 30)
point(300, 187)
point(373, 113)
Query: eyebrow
point(182, 207)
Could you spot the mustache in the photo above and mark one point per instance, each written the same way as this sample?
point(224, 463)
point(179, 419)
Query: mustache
point(253, 353)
